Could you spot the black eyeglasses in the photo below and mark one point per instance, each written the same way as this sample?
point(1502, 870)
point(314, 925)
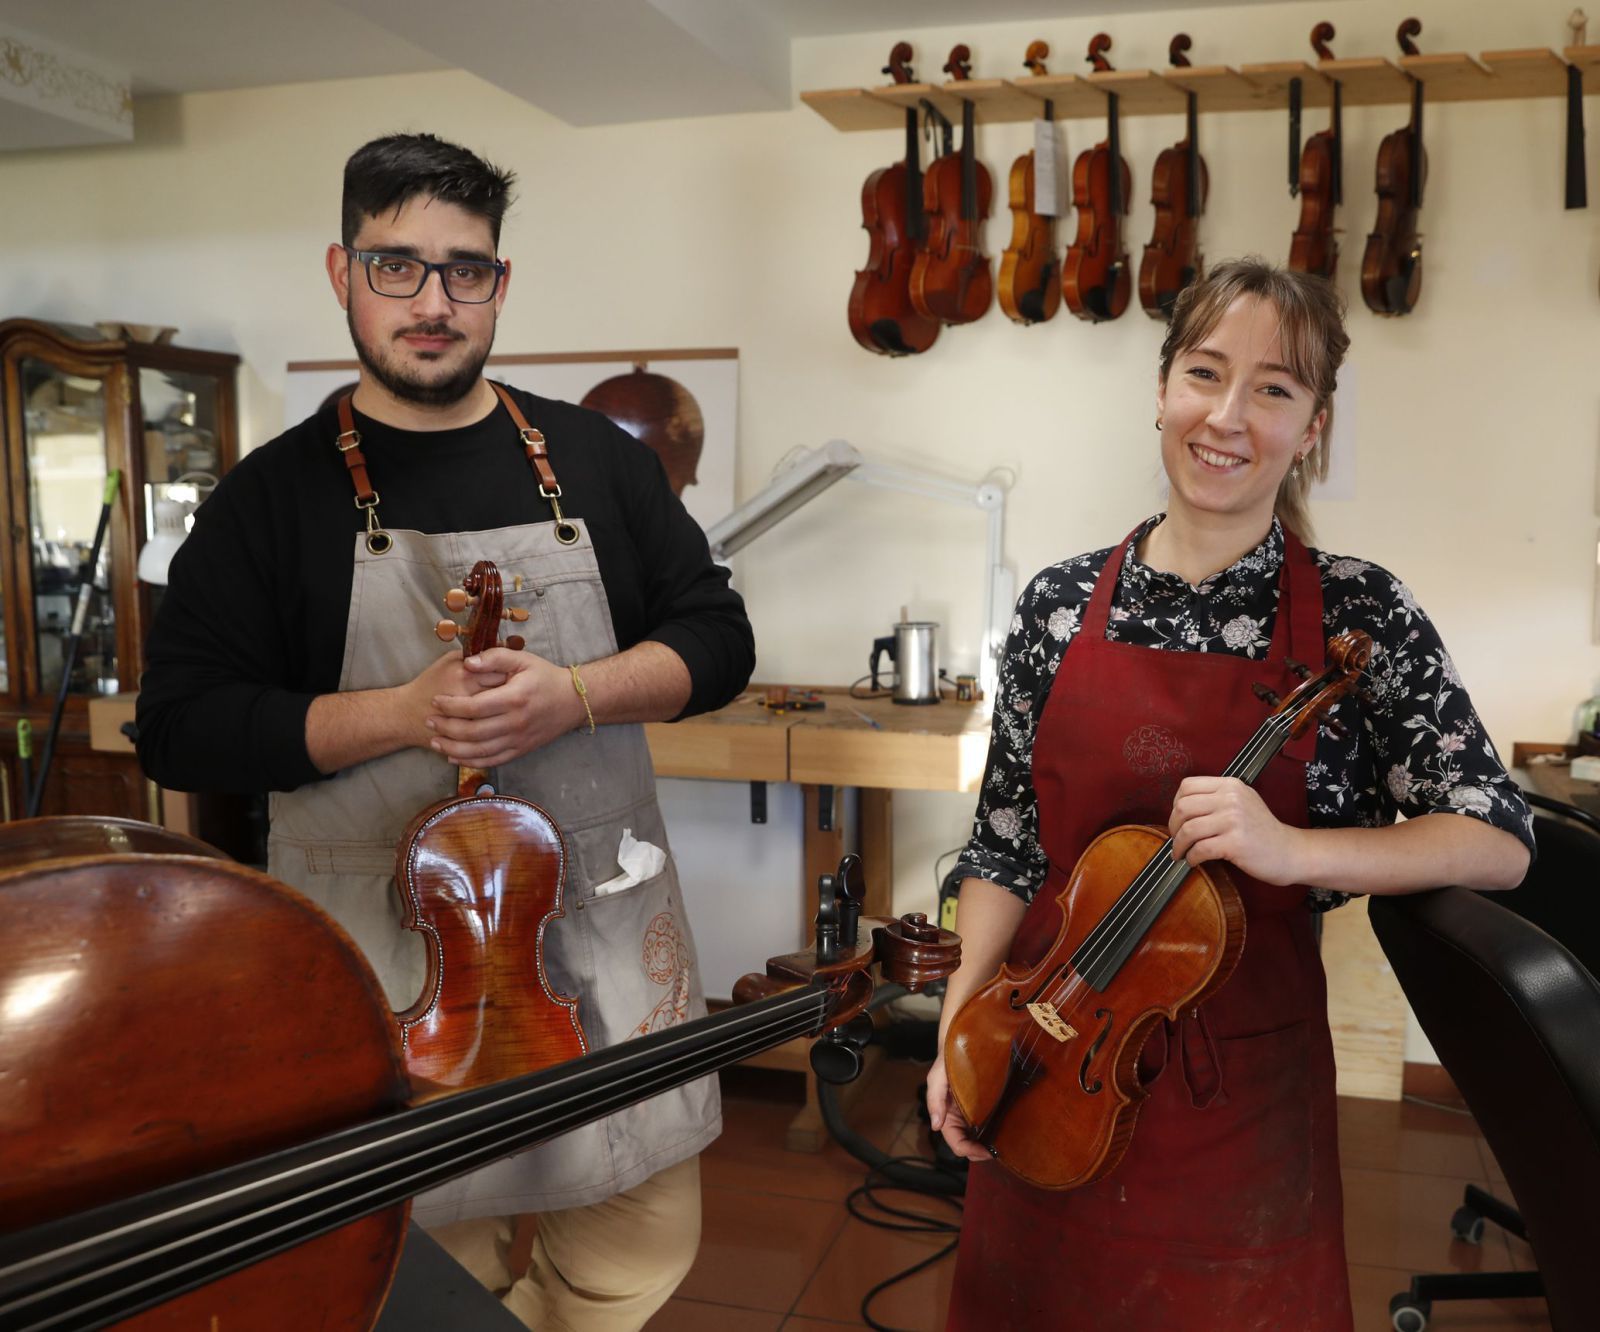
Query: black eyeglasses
point(467, 281)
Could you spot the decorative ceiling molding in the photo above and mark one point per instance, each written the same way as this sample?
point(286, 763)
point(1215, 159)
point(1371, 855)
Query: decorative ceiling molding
point(54, 97)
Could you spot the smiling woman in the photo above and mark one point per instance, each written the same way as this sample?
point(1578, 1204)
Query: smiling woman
point(1128, 683)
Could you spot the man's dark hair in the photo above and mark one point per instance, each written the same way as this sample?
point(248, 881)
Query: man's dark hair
point(389, 172)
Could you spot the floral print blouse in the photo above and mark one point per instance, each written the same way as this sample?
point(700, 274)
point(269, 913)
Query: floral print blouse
point(1419, 748)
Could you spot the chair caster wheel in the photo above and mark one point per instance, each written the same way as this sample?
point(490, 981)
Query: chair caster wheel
point(1467, 1225)
point(1407, 1314)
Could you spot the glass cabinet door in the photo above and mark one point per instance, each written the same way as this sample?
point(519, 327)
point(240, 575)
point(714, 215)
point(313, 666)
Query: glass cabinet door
point(182, 461)
point(64, 460)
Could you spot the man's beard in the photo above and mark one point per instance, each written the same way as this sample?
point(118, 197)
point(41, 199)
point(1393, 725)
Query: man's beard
point(407, 386)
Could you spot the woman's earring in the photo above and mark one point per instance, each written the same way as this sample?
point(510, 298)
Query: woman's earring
point(1158, 423)
point(1294, 472)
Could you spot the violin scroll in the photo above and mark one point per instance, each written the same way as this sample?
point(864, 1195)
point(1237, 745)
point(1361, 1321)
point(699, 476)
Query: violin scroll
point(1177, 48)
point(959, 66)
point(1033, 58)
point(899, 66)
point(481, 590)
point(1408, 29)
point(1099, 44)
point(1321, 35)
point(1348, 656)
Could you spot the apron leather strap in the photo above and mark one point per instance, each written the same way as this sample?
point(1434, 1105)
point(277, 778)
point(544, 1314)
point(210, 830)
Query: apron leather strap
point(348, 443)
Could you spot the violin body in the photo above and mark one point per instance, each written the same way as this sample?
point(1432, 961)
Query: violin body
point(1172, 259)
point(1314, 249)
point(951, 280)
point(1030, 280)
point(1095, 280)
point(1391, 268)
point(882, 318)
point(481, 877)
point(1070, 1105)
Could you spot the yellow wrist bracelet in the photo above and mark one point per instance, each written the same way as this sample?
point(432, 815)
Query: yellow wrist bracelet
point(583, 693)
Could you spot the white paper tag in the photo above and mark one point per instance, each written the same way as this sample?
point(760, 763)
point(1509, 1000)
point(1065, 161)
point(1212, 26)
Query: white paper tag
point(1046, 179)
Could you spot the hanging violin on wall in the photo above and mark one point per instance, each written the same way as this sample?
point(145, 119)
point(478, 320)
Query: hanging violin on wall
point(951, 281)
point(1030, 270)
point(1179, 186)
point(882, 318)
point(1095, 282)
point(1320, 182)
point(1391, 268)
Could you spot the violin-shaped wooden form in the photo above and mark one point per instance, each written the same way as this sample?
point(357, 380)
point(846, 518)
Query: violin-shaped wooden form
point(481, 876)
point(1043, 1060)
point(205, 1124)
point(1095, 279)
point(1030, 268)
point(882, 318)
point(951, 281)
point(1179, 186)
point(1391, 268)
point(1314, 248)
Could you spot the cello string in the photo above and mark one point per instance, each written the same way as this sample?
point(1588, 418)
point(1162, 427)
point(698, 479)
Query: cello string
point(795, 1020)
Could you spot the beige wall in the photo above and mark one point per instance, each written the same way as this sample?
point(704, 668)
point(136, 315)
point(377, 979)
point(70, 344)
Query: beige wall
point(1479, 416)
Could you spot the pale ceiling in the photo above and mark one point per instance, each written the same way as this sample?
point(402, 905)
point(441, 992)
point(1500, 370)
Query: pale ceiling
point(673, 57)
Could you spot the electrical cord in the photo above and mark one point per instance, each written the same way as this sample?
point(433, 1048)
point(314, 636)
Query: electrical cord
point(866, 1196)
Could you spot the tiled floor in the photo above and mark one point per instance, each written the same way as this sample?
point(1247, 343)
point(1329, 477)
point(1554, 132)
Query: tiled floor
point(781, 1252)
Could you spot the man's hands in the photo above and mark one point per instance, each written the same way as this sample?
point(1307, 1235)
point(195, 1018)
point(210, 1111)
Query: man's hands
point(1222, 818)
point(497, 706)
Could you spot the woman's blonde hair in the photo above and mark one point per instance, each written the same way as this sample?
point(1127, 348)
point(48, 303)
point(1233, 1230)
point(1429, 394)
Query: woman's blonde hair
point(1311, 329)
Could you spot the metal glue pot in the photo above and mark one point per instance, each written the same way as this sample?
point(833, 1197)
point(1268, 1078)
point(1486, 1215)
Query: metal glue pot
point(914, 649)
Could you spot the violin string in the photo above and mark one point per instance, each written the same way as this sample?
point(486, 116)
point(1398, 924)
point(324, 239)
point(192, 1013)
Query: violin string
point(1146, 885)
point(663, 1073)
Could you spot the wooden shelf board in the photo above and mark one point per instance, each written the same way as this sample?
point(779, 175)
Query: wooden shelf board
point(851, 109)
point(1218, 87)
point(998, 101)
point(1538, 72)
point(1140, 92)
point(903, 95)
point(1368, 81)
point(1453, 77)
point(1586, 58)
point(1072, 95)
point(1272, 84)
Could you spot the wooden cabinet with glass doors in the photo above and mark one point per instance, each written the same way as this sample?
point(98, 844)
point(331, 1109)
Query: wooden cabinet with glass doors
point(76, 404)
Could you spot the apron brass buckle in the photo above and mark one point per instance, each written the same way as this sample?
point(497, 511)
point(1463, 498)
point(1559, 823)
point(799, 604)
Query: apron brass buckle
point(566, 533)
point(379, 542)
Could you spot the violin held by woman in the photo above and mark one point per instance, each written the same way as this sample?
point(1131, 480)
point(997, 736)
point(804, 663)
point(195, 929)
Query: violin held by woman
point(1132, 676)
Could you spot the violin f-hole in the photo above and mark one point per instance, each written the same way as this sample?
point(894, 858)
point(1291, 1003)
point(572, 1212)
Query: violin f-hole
point(1083, 1071)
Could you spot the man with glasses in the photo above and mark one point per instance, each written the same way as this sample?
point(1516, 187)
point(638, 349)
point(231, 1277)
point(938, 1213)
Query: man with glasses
point(294, 653)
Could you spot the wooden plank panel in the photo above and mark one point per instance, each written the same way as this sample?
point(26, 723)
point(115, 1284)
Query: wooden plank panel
point(1369, 81)
point(1452, 77)
point(1072, 96)
point(1272, 83)
point(903, 95)
point(747, 746)
point(899, 760)
point(1140, 92)
point(1586, 58)
point(851, 109)
point(1539, 72)
point(1219, 88)
point(1366, 1007)
point(998, 101)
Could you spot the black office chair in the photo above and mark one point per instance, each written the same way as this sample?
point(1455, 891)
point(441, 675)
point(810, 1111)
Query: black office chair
point(1504, 986)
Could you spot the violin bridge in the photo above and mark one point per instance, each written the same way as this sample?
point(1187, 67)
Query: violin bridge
point(1047, 1017)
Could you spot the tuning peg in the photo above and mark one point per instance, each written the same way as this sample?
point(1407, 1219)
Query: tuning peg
point(1299, 668)
point(447, 630)
point(1337, 727)
point(456, 599)
point(515, 613)
point(1267, 696)
point(516, 642)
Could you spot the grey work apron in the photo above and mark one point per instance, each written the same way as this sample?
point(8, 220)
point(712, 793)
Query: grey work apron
point(627, 955)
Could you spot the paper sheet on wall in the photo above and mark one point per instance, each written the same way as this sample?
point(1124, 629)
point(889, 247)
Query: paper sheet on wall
point(1047, 178)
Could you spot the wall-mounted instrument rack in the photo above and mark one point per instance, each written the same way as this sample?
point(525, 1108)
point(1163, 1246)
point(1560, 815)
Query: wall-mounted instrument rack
point(1367, 81)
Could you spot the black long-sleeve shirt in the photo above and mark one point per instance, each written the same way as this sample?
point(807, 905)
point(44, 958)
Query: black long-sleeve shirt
point(252, 626)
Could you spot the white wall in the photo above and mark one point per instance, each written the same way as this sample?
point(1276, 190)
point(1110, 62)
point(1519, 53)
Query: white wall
point(1479, 414)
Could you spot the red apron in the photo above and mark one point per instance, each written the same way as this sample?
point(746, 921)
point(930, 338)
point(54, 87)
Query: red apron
point(1226, 1212)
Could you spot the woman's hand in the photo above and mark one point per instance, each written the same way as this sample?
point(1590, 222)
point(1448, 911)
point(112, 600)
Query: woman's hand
point(1222, 818)
point(947, 1119)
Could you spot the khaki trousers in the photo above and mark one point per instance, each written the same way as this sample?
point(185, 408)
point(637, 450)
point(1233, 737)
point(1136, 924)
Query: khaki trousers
point(602, 1268)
